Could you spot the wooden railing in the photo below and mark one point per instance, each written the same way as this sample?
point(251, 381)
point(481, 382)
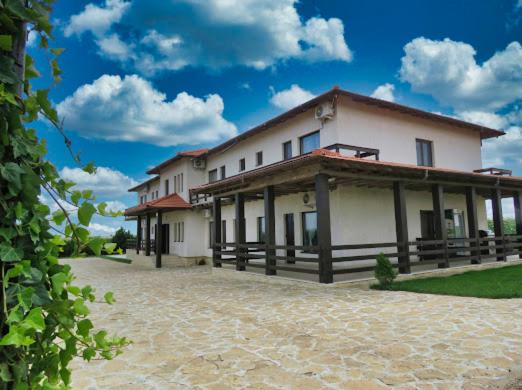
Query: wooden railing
point(131, 244)
point(353, 258)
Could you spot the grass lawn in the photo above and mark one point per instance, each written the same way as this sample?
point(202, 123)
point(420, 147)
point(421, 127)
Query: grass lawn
point(505, 282)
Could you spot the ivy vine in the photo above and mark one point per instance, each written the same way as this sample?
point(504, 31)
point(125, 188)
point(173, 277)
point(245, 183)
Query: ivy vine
point(44, 321)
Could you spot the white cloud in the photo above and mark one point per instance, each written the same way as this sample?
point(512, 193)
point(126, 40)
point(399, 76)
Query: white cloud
point(168, 35)
point(291, 97)
point(98, 229)
point(115, 205)
point(96, 19)
point(105, 182)
point(483, 118)
point(130, 109)
point(384, 92)
point(448, 71)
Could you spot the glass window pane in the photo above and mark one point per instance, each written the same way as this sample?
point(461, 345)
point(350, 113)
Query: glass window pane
point(310, 228)
point(309, 142)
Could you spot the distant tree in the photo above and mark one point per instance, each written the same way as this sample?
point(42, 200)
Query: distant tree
point(509, 226)
point(120, 238)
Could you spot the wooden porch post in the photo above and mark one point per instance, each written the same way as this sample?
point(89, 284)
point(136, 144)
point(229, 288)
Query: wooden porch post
point(437, 193)
point(401, 227)
point(517, 200)
point(216, 207)
point(138, 234)
point(269, 198)
point(240, 230)
point(324, 235)
point(473, 228)
point(147, 235)
point(159, 238)
point(496, 205)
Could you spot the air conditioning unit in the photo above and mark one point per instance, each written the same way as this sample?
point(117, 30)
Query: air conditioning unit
point(309, 200)
point(324, 111)
point(198, 163)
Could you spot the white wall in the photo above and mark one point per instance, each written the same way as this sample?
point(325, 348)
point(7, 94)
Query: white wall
point(394, 135)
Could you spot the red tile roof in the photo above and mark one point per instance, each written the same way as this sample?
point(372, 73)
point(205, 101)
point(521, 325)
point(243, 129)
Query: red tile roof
point(178, 156)
point(172, 201)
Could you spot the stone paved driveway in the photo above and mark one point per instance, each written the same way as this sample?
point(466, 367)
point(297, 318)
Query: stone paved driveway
point(195, 330)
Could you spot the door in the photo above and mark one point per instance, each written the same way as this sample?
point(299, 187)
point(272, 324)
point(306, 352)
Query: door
point(427, 224)
point(166, 238)
point(290, 236)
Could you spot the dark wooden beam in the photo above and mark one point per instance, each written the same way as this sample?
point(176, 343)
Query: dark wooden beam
point(240, 230)
point(138, 234)
point(498, 223)
point(517, 200)
point(159, 237)
point(216, 226)
point(147, 235)
point(401, 227)
point(473, 227)
point(441, 233)
point(324, 235)
point(269, 198)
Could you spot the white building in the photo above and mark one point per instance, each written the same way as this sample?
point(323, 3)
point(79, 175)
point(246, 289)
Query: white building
point(324, 187)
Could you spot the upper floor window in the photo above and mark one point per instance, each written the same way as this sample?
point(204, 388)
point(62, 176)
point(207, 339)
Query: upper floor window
point(287, 150)
point(309, 142)
point(157, 194)
point(212, 176)
point(175, 185)
point(181, 182)
point(259, 159)
point(424, 153)
point(166, 187)
point(223, 172)
point(242, 165)
point(152, 195)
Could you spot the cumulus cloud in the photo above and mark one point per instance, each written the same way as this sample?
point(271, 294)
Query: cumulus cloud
point(130, 109)
point(291, 97)
point(105, 182)
point(384, 92)
point(164, 35)
point(448, 71)
point(99, 229)
point(96, 19)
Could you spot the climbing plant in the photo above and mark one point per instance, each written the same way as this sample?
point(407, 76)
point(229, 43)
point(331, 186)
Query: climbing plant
point(44, 319)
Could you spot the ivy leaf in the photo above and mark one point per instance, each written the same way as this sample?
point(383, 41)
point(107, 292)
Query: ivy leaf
point(45, 104)
point(58, 280)
point(16, 337)
point(89, 168)
point(83, 234)
point(80, 308)
point(84, 326)
point(12, 173)
point(109, 297)
point(75, 197)
point(85, 213)
point(6, 42)
point(58, 217)
point(57, 51)
point(102, 208)
point(35, 320)
point(9, 253)
point(87, 194)
point(5, 375)
point(96, 245)
point(109, 247)
point(88, 353)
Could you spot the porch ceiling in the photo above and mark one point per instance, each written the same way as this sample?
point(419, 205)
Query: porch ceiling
point(297, 175)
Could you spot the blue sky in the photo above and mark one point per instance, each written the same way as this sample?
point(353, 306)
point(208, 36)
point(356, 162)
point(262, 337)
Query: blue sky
point(132, 67)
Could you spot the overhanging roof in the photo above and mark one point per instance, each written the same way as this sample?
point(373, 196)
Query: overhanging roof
point(137, 187)
point(169, 202)
point(178, 156)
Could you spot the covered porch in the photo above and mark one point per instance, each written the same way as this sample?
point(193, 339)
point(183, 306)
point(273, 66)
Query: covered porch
point(326, 257)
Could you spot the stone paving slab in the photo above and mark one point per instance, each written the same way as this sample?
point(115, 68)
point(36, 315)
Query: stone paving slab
point(192, 329)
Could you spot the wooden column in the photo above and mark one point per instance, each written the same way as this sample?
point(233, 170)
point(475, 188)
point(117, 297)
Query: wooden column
point(496, 205)
point(269, 200)
point(473, 228)
point(401, 227)
point(159, 238)
point(441, 233)
point(138, 234)
point(324, 235)
point(147, 235)
point(240, 231)
point(216, 208)
point(517, 200)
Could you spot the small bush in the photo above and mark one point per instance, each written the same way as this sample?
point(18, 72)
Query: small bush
point(384, 272)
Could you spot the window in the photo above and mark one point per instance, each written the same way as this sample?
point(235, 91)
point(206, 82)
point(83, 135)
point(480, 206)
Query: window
point(261, 233)
point(181, 179)
point(223, 172)
point(175, 185)
point(424, 153)
point(242, 165)
point(141, 199)
point(309, 142)
point(309, 222)
point(157, 194)
point(212, 176)
point(223, 231)
point(182, 225)
point(287, 150)
point(175, 232)
point(259, 159)
point(210, 234)
point(166, 187)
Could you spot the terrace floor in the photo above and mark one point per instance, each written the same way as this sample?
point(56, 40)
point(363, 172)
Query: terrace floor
point(195, 329)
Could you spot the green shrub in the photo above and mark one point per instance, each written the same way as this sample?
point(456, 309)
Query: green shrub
point(384, 272)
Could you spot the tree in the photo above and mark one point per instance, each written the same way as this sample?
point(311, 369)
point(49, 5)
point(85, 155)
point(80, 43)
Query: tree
point(43, 316)
point(120, 238)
